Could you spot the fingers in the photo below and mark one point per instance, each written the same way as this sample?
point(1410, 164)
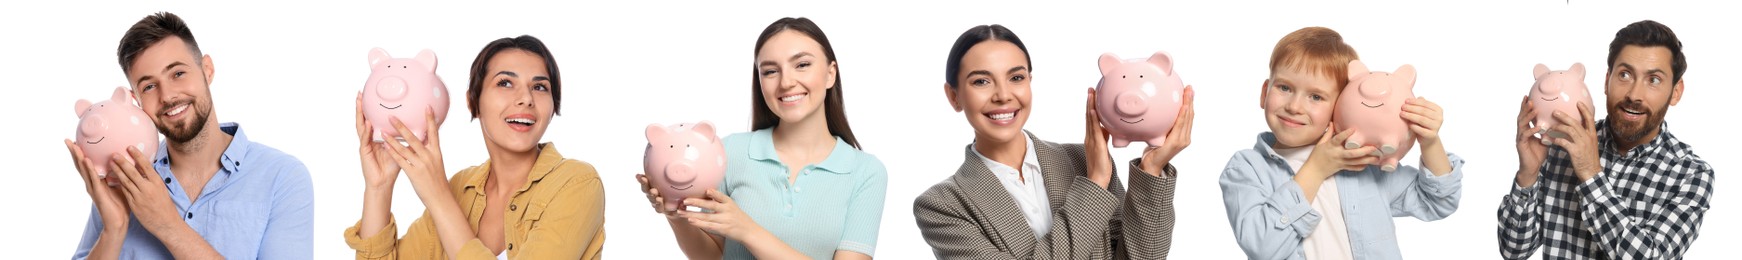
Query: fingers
point(411, 141)
point(79, 162)
point(146, 173)
point(1363, 151)
point(1585, 114)
point(362, 125)
point(709, 205)
point(399, 154)
point(721, 197)
point(431, 127)
point(1565, 120)
point(122, 173)
point(1341, 137)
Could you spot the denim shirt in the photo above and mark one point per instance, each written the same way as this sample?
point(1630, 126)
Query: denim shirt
point(1270, 214)
point(259, 205)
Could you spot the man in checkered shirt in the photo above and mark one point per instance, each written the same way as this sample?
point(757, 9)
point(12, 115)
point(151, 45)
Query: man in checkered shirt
point(1620, 188)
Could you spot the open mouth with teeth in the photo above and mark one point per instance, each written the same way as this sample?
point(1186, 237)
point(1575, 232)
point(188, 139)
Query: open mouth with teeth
point(178, 109)
point(1139, 120)
point(99, 140)
point(520, 121)
point(793, 97)
point(394, 106)
point(685, 187)
point(1372, 106)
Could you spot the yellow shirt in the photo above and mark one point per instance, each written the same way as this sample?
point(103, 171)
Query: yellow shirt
point(558, 214)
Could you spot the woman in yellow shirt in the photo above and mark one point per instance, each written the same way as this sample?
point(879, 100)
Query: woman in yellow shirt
point(525, 202)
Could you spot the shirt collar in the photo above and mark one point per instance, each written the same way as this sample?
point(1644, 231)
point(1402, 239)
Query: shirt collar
point(230, 162)
point(548, 159)
point(842, 160)
point(1029, 159)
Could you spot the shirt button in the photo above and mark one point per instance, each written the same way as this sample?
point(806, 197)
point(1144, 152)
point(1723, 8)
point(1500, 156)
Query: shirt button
point(795, 189)
point(190, 215)
point(511, 207)
point(165, 180)
point(510, 246)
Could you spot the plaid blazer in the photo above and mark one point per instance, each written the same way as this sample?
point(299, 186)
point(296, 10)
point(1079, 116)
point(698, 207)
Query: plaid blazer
point(970, 216)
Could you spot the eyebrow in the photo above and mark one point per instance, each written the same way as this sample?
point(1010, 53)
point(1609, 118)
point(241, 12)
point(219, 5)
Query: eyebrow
point(1016, 69)
point(144, 78)
point(794, 57)
point(539, 78)
point(509, 73)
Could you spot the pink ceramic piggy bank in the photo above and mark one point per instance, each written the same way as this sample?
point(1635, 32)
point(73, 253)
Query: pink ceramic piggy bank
point(402, 88)
point(109, 127)
point(1372, 105)
point(684, 160)
point(1560, 91)
point(1138, 100)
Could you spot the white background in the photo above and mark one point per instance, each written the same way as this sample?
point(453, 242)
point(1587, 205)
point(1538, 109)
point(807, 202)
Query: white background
point(288, 72)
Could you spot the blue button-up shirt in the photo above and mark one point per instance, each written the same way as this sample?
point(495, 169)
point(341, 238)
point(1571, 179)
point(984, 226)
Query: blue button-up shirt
point(260, 204)
point(1270, 214)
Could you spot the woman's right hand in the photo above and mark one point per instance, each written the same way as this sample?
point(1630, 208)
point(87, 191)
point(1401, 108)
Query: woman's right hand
point(655, 199)
point(379, 170)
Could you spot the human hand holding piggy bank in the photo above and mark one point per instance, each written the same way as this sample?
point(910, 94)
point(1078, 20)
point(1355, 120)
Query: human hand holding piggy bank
point(109, 127)
point(1138, 100)
point(1562, 90)
point(684, 161)
point(1372, 105)
point(403, 88)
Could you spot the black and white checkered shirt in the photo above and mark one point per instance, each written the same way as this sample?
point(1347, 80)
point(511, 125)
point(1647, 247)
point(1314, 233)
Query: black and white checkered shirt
point(1646, 204)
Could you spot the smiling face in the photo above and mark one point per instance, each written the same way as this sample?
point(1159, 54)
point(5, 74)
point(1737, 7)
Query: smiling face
point(515, 104)
point(1298, 104)
point(1640, 91)
point(795, 76)
point(994, 94)
point(173, 87)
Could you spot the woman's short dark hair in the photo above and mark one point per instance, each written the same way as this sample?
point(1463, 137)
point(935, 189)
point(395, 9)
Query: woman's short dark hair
point(976, 35)
point(526, 43)
point(762, 117)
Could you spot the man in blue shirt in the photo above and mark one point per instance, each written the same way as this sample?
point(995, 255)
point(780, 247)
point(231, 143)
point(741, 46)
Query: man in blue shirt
point(210, 192)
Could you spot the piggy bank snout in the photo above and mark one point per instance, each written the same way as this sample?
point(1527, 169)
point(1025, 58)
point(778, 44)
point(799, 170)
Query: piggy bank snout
point(679, 173)
point(391, 88)
point(93, 126)
point(1548, 88)
point(1375, 91)
point(1130, 103)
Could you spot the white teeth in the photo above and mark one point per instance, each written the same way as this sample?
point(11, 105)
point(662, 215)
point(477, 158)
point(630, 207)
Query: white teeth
point(1630, 111)
point(1003, 116)
point(178, 110)
point(520, 121)
point(791, 98)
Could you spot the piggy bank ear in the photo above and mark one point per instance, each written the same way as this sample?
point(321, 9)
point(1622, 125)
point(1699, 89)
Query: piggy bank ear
point(1578, 70)
point(121, 96)
point(1407, 72)
point(707, 128)
point(1357, 70)
point(655, 132)
point(1541, 70)
point(1163, 61)
point(428, 58)
point(80, 107)
point(1108, 62)
point(378, 55)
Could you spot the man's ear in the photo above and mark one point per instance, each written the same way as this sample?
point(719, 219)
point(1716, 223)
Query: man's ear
point(1675, 94)
point(207, 67)
point(950, 93)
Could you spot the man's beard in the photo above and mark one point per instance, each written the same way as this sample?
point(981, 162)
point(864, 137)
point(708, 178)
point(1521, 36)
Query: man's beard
point(1629, 132)
point(185, 133)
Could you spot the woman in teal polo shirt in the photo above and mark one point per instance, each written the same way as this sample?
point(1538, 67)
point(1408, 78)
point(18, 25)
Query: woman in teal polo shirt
point(797, 187)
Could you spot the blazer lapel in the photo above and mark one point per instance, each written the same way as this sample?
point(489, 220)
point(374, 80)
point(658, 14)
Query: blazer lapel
point(992, 205)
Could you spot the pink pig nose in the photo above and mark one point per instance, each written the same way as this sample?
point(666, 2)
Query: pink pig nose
point(679, 173)
point(1374, 91)
point(1130, 104)
point(93, 126)
point(390, 88)
point(1548, 88)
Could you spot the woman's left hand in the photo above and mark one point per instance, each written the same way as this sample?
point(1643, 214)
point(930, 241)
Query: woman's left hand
point(721, 216)
point(421, 159)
